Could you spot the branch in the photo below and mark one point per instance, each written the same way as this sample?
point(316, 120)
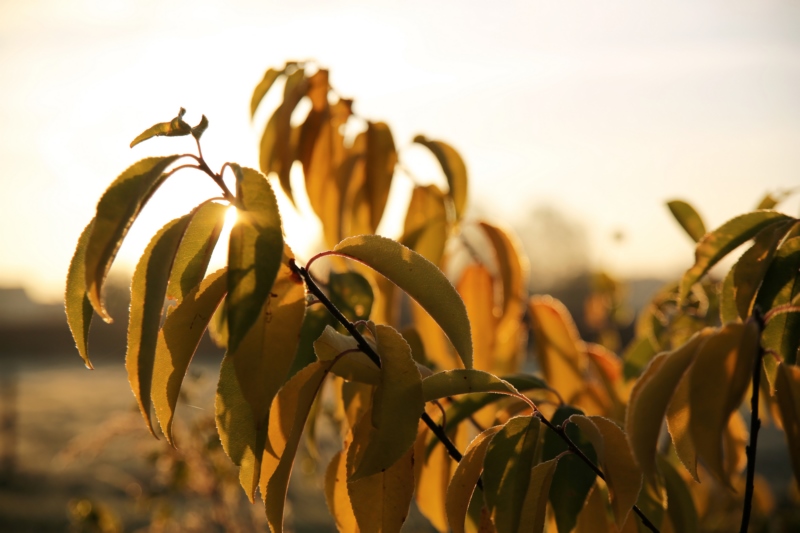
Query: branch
point(755, 425)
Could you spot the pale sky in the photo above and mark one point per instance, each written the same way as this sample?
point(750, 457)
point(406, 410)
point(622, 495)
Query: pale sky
point(605, 110)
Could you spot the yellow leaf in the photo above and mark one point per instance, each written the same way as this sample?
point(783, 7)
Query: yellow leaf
point(354, 366)
point(463, 381)
point(336, 495)
point(426, 226)
point(177, 342)
point(534, 507)
point(734, 444)
point(476, 288)
point(623, 478)
point(454, 170)
point(651, 396)
point(465, 478)
point(381, 157)
point(420, 279)
point(787, 391)
point(76, 303)
point(433, 474)
point(678, 413)
point(262, 88)
point(593, 519)
point(396, 407)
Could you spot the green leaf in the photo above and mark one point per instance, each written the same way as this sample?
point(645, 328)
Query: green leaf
point(262, 88)
point(465, 479)
point(463, 381)
point(727, 299)
point(636, 356)
point(781, 285)
point(688, 218)
point(254, 252)
point(118, 208)
point(353, 366)
point(381, 159)
point(420, 279)
point(177, 343)
point(288, 416)
point(454, 170)
point(750, 269)
point(76, 302)
point(396, 406)
point(194, 252)
point(534, 508)
point(718, 243)
point(174, 128)
point(352, 294)
point(197, 131)
point(148, 290)
point(573, 479)
point(507, 470)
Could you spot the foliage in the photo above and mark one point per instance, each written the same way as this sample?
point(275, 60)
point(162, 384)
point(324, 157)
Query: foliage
point(405, 360)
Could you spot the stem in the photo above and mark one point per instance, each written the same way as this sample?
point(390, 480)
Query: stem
point(229, 196)
point(755, 426)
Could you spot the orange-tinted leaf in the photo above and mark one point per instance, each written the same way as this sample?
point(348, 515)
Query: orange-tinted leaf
point(678, 414)
point(476, 288)
point(454, 170)
point(426, 226)
point(463, 381)
point(534, 508)
point(593, 517)
point(381, 159)
point(262, 88)
point(336, 495)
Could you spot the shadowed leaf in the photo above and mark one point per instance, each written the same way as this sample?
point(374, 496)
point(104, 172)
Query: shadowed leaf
point(454, 170)
point(534, 508)
point(781, 285)
point(680, 505)
point(76, 304)
point(463, 381)
point(353, 366)
point(787, 391)
point(688, 218)
point(174, 128)
point(352, 294)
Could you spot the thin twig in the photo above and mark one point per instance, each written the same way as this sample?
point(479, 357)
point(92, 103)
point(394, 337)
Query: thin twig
point(755, 426)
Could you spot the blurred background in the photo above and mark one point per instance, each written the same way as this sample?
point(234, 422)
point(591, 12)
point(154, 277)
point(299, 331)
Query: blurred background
point(577, 121)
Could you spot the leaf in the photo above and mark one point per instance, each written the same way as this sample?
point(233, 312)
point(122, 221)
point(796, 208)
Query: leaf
point(781, 285)
point(218, 326)
point(787, 391)
point(719, 379)
point(718, 243)
point(195, 249)
point(352, 294)
point(558, 346)
point(177, 343)
point(286, 422)
point(592, 518)
point(420, 279)
point(465, 479)
point(454, 170)
point(649, 400)
point(148, 290)
point(534, 508)
point(426, 227)
point(76, 303)
point(680, 505)
point(396, 406)
point(507, 470)
point(728, 311)
point(622, 476)
point(768, 202)
point(636, 356)
point(174, 128)
point(314, 323)
point(355, 366)
point(678, 413)
point(263, 357)
point(197, 131)
point(262, 88)
point(476, 288)
point(254, 252)
point(381, 159)
point(688, 218)
point(573, 479)
point(117, 209)
point(336, 495)
point(752, 266)
point(433, 472)
point(380, 501)
point(463, 381)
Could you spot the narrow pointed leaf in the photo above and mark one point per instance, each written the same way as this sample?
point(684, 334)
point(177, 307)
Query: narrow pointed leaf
point(534, 508)
point(174, 128)
point(718, 243)
point(396, 407)
point(336, 495)
point(381, 159)
point(148, 291)
point(463, 381)
point(454, 170)
point(678, 414)
point(420, 279)
point(787, 391)
point(76, 302)
point(688, 218)
point(194, 252)
point(202, 126)
point(254, 252)
point(117, 209)
point(177, 343)
point(781, 285)
point(316, 320)
point(507, 470)
point(426, 227)
point(680, 505)
point(262, 88)
point(434, 471)
point(593, 517)
point(476, 288)
point(465, 479)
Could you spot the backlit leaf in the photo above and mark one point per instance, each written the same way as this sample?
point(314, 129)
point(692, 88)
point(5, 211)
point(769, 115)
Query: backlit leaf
point(678, 413)
point(688, 218)
point(381, 159)
point(420, 279)
point(202, 126)
point(425, 229)
point(148, 290)
point(465, 479)
point(194, 252)
point(463, 381)
point(719, 378)
point(287, 419)
point(454, 170)
point(573, 479)
point(434, 471)
point(623, 477)
point(262, 88)
point(507, 470)
point(76, 302)
point(396, 406)
point(117, 209)
point(787, 391)
point(476, 288)
point(218, 326)
point(254, 252)
point(781, 285)
point(728, 311)
point(381, 500)
point(353, 366)
point(534, 508)
point(718, 243)
point(649, 400)
point(174, 128)
point(336, 495)
point(593, 517)
point(314, 323)
point(177, 343)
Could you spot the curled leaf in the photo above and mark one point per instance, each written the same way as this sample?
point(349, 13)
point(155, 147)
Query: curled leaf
point(174, 128)
point(454, 170)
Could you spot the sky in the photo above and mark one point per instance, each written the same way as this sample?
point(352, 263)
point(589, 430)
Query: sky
point(602, 110)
